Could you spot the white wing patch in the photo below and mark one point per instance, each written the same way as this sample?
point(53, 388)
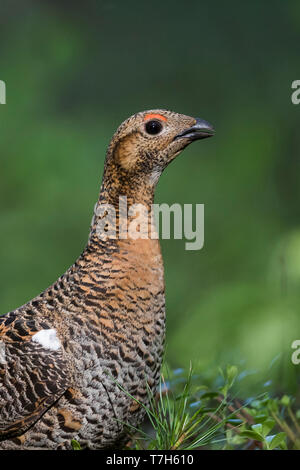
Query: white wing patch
point(47, 339)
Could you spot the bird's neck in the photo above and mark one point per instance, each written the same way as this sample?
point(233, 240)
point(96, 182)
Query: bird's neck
point(124, 204)
point(135, 193)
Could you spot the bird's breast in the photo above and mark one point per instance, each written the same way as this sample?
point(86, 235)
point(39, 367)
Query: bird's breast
point(123, 294)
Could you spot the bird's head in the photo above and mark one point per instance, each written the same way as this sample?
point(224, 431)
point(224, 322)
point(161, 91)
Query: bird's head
point(147, 142)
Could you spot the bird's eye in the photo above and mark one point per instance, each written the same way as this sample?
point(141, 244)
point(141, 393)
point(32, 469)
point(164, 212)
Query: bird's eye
point(153, 127)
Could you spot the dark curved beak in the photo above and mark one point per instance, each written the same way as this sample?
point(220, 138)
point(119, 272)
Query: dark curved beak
point(201, 130)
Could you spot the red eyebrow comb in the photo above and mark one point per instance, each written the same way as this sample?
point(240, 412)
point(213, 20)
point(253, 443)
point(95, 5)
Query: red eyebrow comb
point(155, 116)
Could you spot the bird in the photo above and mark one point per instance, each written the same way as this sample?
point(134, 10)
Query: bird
point(78, 361)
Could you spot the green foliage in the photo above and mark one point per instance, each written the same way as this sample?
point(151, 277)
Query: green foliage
point(75, 445)
point(187, 414)
point(177, 420)
point(229, 377)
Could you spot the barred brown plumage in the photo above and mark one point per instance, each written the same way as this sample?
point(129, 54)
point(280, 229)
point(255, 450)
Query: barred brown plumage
point(67, 356)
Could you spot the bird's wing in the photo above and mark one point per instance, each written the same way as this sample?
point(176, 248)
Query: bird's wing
point(32, 377)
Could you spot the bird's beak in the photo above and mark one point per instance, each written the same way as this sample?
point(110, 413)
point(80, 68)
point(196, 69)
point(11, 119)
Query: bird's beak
point(200, 130)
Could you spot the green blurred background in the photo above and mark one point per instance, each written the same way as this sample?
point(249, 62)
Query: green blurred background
point(74, 71)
